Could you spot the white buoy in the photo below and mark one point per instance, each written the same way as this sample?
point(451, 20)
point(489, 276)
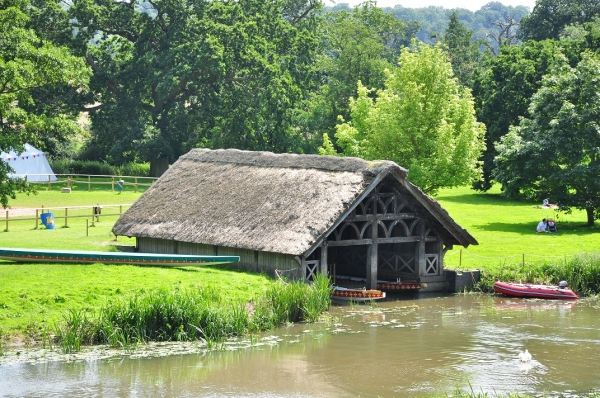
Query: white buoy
point(525, 356)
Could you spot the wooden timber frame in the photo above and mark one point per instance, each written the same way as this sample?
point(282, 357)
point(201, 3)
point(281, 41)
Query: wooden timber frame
point(384, 236)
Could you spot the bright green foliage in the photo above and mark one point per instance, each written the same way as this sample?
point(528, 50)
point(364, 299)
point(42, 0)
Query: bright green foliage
point(550, 17)
point(423, 120)
point(357, 46)
point(502, 90)
point(172, 75)
point(29, 64)
point(556, 151)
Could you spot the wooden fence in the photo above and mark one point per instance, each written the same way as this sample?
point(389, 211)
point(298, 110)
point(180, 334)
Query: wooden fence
point(90, 213)
point(117, 183)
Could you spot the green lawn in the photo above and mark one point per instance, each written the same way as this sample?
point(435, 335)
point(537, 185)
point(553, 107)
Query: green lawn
point(35, 294)
point(505, 230)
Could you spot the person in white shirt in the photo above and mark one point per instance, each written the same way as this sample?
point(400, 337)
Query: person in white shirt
point(541, 227)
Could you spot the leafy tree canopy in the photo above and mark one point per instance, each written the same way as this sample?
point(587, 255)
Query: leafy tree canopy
point(462, 49)
point(549, 18)
point(555, 152)
point(29, 66)
point(503, 88)
point(357, 46)
point(423, 120)
point(171, 75)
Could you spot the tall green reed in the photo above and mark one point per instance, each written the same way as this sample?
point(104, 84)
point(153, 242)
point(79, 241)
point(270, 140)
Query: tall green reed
point(193, 314)
point(76, 330)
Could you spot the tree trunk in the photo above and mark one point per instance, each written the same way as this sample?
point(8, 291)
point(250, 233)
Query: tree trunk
point(590, 216)
point(158, 166)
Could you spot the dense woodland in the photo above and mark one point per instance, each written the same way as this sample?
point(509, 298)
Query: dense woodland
point(501, 95)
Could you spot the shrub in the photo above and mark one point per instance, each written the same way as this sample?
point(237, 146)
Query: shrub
point(134, 169)
point(82, 167)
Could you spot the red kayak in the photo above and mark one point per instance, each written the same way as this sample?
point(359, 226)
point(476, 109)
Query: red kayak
point(536, 291)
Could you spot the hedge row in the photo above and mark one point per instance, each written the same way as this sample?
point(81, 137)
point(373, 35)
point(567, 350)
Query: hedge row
point(99, 168)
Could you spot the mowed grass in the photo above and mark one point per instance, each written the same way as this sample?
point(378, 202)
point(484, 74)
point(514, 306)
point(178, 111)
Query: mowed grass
point(505, 230)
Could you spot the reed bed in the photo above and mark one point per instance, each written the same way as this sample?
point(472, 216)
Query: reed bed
point(202, 314)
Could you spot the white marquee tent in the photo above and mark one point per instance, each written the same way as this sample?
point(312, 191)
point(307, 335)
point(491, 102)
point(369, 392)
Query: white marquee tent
point(31, 164)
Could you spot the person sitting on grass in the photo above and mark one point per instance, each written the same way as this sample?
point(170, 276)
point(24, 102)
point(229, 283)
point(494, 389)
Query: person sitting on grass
point(541, 227)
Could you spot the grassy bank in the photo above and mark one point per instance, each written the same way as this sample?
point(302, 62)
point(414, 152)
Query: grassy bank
point(510, 249)
point(35, 297)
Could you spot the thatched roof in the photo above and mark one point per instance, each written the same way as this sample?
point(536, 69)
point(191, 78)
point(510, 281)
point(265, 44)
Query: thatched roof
point(281, 203)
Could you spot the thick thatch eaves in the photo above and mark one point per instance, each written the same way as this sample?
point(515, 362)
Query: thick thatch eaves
point(261, 201)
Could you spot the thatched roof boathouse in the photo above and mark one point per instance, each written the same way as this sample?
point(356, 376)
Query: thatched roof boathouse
point(298, 214)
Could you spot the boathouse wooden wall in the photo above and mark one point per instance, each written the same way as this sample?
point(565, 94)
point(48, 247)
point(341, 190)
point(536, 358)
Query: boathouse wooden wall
point(251, 260)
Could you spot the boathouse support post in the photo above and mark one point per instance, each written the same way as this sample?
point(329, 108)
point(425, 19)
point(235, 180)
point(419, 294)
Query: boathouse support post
point(324, 257)
point(421, 251)
point(372, 260)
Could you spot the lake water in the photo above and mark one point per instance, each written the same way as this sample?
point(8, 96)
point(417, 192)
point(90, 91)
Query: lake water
point(397, 348)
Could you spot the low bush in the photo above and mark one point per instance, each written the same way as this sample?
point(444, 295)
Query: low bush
point(65, 166)
point(82, 167)
point(134, 170)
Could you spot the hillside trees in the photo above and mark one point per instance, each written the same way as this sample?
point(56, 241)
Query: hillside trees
point(555, 152)
point(423, 120)
point(171, 75)
point(30, 66)
point(462, 49)
point(549, 18)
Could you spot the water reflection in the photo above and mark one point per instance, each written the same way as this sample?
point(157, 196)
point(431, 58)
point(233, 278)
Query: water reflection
point(404, 348)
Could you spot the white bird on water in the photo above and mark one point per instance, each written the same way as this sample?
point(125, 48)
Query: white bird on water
point(525, 356)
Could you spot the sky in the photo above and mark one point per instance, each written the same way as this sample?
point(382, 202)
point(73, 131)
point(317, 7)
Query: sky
point(472, 5)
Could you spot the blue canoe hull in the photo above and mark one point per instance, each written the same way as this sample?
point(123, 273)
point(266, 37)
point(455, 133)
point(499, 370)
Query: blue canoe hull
point(80, 256)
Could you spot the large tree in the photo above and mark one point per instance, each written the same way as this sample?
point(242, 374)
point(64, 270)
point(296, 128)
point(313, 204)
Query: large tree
point(555, 151)
point(29, 66)
point(170, 75)
point(462, 49)
point(357, 45)
point(503, 88)
point(423, 120)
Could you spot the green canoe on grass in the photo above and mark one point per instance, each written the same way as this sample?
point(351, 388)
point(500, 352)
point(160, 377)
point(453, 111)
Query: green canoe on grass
point(81, 256)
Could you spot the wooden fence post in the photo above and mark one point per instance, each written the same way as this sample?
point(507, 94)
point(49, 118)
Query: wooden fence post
point(66, 216)
point(87, 227)
point(37, 217)
point(89, 183)
point(49, 182)
point(6, 221)
point(113, 183)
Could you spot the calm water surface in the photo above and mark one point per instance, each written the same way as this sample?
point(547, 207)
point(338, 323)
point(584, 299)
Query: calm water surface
point(403, 348)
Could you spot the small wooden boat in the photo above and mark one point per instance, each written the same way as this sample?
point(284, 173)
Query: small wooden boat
point(77, 256)
point(357, 295)
point(536, 291)
point(397, 285)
